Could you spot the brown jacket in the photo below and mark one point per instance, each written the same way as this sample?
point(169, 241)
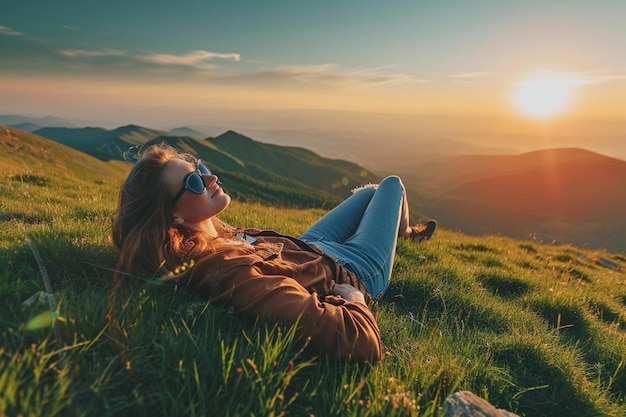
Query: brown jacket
point(284, 279)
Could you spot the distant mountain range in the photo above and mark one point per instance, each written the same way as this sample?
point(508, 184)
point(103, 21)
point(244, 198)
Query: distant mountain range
point(101, 143)
point(564, 195)
point(567, 196)
point(250, 170)
point(27, 122)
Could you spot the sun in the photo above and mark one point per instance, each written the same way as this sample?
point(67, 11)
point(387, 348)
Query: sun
point(545, 95)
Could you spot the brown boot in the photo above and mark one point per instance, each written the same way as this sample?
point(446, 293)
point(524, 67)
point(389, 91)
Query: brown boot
point(423, 231)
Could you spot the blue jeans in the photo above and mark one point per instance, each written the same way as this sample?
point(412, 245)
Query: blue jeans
point(361, 233)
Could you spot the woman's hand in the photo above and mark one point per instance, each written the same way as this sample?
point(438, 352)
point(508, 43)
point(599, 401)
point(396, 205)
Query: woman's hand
point(348, 292)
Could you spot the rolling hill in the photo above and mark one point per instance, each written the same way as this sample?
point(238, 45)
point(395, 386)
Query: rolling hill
point(242, 158)
point(24, 149)
point(290, 176)
point(335, 176)
point(186, 131)
point(101, 143)
point(564, 195)
point(253, 183)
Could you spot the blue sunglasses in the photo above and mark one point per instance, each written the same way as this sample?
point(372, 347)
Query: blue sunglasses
point(193, 181)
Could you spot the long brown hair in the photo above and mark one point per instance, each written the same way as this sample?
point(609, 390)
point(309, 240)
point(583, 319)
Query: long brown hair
point(143, 230)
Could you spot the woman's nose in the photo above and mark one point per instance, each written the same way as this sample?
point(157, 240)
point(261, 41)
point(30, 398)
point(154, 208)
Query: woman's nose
point(210, 180)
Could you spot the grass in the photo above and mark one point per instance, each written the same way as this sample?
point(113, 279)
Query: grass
point(533, 328)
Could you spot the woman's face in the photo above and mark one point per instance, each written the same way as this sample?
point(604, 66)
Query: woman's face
point(194, 208)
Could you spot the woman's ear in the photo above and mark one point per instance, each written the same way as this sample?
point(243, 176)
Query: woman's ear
point(177, 220)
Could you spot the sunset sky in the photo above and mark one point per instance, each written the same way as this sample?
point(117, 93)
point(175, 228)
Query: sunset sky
point(169, 62)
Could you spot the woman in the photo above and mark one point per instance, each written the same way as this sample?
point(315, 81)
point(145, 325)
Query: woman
point(324, 280)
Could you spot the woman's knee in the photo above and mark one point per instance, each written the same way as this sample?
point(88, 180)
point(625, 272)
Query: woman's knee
point(392, 180)
point(367, 188)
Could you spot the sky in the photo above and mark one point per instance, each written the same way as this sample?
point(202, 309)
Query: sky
point(171, 63)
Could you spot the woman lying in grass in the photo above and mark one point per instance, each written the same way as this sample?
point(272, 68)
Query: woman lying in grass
point(324, 280)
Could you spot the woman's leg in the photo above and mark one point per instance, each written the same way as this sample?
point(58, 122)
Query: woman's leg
point(341, 222)
point(362, 232)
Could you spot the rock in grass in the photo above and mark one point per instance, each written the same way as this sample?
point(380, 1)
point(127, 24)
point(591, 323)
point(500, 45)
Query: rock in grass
point(466, 404)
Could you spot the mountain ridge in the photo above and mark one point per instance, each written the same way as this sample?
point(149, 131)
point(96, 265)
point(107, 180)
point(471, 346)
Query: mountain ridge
point(243, 179)
point(45, 121)
point(465, 192)
point(568, 195)
point(101, 143)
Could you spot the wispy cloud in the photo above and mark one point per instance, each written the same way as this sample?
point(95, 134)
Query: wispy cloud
point(194, 59)
point(113, 59)
point(614, 77)
point(602, 76)
point(202, 66)
point(78, 53)
point(9, 32)
point(468, 77)
point(584, 78)
point(380, 73)
point(318, 76)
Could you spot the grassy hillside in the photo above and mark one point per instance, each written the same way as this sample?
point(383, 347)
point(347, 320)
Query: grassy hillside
point(534, 328)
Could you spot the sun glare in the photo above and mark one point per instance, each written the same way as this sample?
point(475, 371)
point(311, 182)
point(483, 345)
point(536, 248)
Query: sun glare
point(545, 95)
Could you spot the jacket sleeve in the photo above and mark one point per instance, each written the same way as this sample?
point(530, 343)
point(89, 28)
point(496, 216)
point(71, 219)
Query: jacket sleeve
point(342, 329)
